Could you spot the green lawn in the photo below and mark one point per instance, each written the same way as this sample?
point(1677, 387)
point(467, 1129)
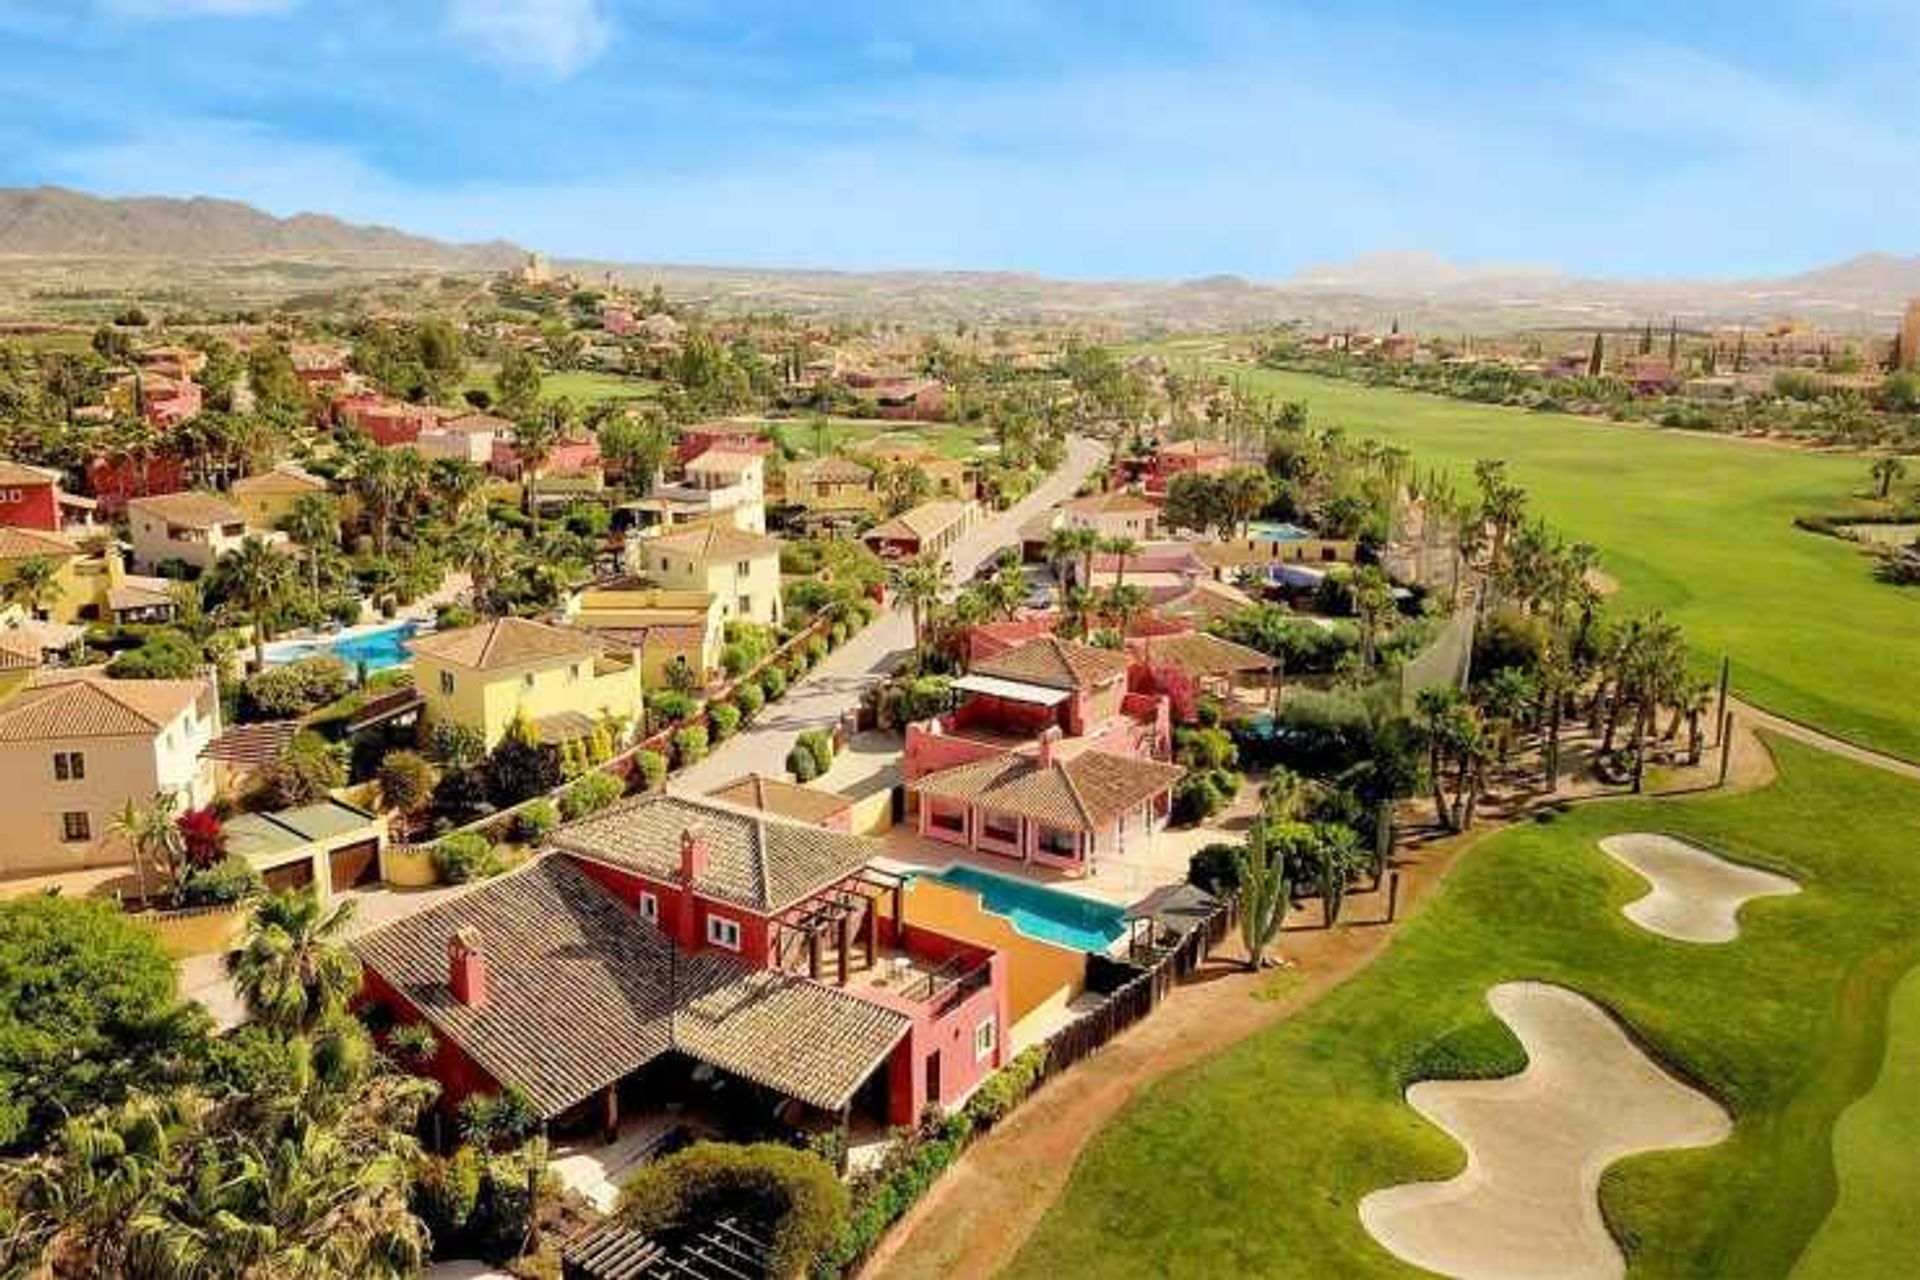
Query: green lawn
point(1871, 1232)
point(945, 438)
point(1254, 1162)
point(581, 386)
point(1699, 526)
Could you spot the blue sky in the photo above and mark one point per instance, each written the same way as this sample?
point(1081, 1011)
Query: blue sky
point(1114, 139)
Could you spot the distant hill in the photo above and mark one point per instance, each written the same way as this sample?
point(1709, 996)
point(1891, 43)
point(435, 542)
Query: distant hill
point(1407, 272)
point(46, 222)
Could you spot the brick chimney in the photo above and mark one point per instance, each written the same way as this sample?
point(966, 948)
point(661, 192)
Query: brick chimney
point(693, 865)
point(467, 968)
point(1049, 744)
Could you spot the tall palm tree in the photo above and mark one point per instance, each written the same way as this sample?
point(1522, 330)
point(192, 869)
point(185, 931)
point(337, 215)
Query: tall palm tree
point(921, 582)
point(1075, 542)
point(1120, 547)
point(34, 585)
point(534, 439)
point(1372, 600)
point(314, 522)
point(294, 971)
point(1886, 471)
point(259, 573)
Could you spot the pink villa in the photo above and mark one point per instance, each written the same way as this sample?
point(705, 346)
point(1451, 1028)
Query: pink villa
point(388, 421)
point(725, 437)
point(1050, 760)
point(575, 453)
point(1180, 457)
point(665, 935)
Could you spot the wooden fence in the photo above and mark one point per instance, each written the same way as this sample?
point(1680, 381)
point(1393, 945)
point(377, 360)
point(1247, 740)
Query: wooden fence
point(1138, 996)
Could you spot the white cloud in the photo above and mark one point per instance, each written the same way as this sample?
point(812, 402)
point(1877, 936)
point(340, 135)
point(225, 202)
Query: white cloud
point(552, 37)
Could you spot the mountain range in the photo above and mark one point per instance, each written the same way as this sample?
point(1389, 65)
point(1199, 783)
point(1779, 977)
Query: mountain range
point(93, 238)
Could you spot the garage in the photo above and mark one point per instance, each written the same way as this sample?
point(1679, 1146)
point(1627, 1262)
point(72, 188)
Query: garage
point(297, 874)
point(355, 864)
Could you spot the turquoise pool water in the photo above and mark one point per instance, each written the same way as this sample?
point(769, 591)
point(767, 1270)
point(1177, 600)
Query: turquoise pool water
point(1276, 531)
point(1047, 914)
point(376, 650)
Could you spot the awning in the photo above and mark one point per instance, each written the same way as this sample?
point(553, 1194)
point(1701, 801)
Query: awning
point(1013, 690)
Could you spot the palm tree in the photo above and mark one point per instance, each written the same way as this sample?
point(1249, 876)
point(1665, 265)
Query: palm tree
point(1260, 867)
point(455, 484)
point(1372, 599)
point(1120, 546)
point(1075, 542)
point(1886, 471)
point(534, 438)
point(314, 522)
point(34, 585)
point(1123, 604)
point(294, 971)
point(152, 832)
point(921, 582)
point(259, 573)
point(484, 550)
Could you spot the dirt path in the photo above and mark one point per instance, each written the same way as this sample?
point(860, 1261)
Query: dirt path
point(976, 1218)
point(1755, 718)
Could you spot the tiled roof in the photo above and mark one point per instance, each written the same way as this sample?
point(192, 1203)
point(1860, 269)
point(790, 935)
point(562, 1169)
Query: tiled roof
point(93, 707)
point(581, 992)
point(24, 544)
point(20, 473)
point(1199, 654)
point(1196, 448)
point(833, 469)
point(1056, 664)
point(193, 509)
point(781, 798)
point(282, 479)
point(764, 863)
point(924, 521)
point(725, 461)
point(1118, 502)
point(19, 650)
point(716, 542)
point(253, 744)
point(506, 642)
point(1083, 793)
point(1208, 599)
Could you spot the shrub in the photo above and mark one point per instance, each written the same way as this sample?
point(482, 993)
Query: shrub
point(279, 693)
point(1204, 748)
point(302, 776)
point(494, 1120)
point(573, 758)
point(724, 719)
point(837, 634)
point(735, 659)
point(165, 654)
point(465, 856)
point(1213, 868)
point(202, 835)
point(773, 683)
point(412, 1043)
point(689, 745)
point(801, 765)
point(791, 1195)
point(1006, 1088)
point(532, 823)
point(749, 699)
point(590, 794)
point(669, 706)
point(232, 879)
point(819, 744)
point(457, 746)
point(407, 781)
point(445, 1194)
point(815, 649)
point(653, 768)
point(520, 769)
point(1203, 793)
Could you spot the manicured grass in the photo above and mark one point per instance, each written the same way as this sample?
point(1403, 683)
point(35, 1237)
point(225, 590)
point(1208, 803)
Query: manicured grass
point(1254, 1162)
point(945, 438)
point(582, 386)
point(1698, 526)
point(1877, 1148)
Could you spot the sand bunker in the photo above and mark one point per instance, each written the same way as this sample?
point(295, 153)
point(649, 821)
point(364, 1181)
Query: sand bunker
point(1696, 895)
point(1527, 1206)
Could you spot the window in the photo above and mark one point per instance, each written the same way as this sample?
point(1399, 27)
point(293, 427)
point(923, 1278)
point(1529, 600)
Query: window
point(446, 683)
point(663, 564)
point(984, 1036)
point(743, 568)
point(650, 906)
point(575, 672)
point(526, 681)
point(69, 766)
point(745, 606)
point(75, 827)
point(722, 932)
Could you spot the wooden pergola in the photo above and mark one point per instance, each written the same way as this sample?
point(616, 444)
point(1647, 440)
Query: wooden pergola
point(844, 911)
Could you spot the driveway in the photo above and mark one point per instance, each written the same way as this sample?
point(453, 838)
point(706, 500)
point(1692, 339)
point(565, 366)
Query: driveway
point(834, 686)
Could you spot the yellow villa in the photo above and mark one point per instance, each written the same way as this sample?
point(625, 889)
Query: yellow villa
point(664, 627)
point(741, 569)
point(265, 499)
point(68, 594)
point(561, 680)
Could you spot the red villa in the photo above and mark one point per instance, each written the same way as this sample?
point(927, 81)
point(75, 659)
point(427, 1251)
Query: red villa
point(667, 931)
point(727, 437)
point(31, 498)
point(388, 421)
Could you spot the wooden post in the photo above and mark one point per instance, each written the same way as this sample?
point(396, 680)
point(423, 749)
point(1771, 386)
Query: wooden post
point(610, 1111)
point(1726, 745)
point(1720, 712)
point(813, 952)
point(1393, 896)
point(873, 929)
point(845, 940)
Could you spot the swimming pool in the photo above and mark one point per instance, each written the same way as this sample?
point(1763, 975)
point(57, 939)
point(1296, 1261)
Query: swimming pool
point(376, 649)
point(1046, 914)
point(1276, 531)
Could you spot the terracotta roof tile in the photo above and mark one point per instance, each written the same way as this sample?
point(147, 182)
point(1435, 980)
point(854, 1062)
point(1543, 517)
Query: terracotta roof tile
point(281, 479)
point(193, 509)
point(94, 707)
point(1083, 793)
point(1199, 654)
point(924, 521)
point(1056, 664)
point(716, 542)
point(506, 642)
point(781, 798)
point(754, 860)
point(24, 544)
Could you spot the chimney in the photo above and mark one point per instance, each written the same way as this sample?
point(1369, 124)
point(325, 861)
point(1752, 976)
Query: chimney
point(467, 968)
point(1049, 741)
point(693, 865)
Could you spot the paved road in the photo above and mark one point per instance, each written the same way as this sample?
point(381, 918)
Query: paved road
point(836, 684)
point(1762, 719)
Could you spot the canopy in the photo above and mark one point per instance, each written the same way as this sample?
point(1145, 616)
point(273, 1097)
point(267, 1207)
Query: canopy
point(1013, 690)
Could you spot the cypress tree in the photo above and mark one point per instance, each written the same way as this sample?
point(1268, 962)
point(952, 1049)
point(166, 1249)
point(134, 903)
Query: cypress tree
point(1598, 359)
